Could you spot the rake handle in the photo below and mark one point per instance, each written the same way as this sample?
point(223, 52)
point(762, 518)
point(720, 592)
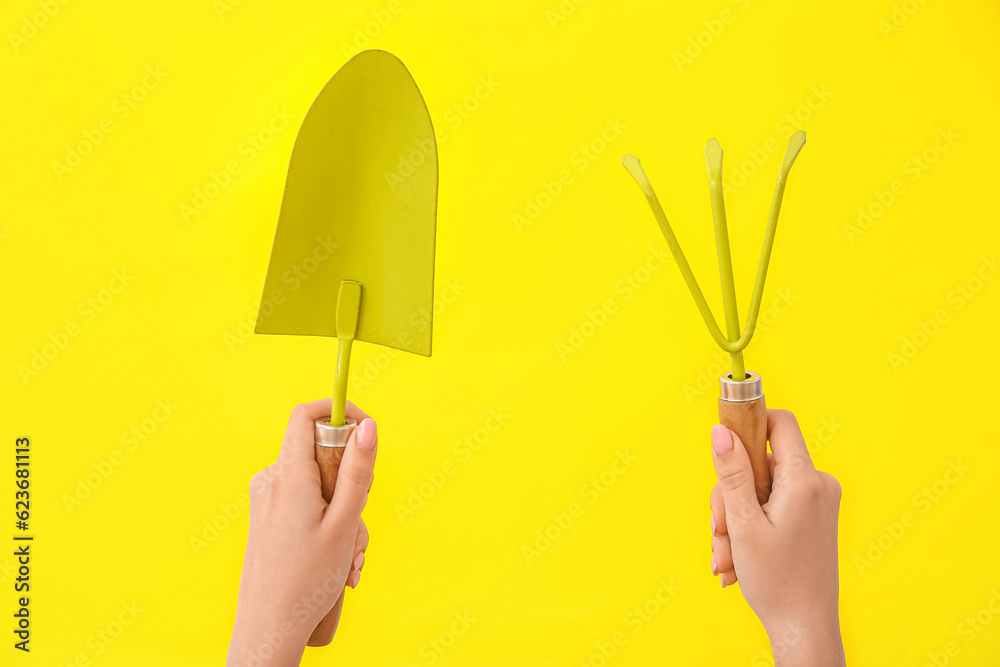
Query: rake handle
point(748, 420)
point(328, 459)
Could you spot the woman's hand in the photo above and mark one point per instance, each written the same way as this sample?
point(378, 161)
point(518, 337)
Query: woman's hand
point(301, 552)
point(784, 553)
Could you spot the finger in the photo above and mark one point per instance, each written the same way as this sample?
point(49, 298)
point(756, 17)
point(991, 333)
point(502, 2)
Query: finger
point(787, 443)
point(732, 466)
point(359, 563)
point(718, 511)
point(833, 489)
point(728, 578)
point(361, 541)
point(355, 476)
point(358, 415)
point(360, 544)
point(299, 443)
point(722, 554)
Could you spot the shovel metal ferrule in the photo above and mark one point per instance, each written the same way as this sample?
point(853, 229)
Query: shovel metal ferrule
point(328, 435)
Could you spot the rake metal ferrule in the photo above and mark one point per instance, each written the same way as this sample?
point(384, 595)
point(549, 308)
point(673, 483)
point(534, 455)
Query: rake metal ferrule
point(740, 391)
point(735, 342)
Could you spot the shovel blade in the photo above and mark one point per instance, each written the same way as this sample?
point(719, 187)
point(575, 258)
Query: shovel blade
point(359, 204)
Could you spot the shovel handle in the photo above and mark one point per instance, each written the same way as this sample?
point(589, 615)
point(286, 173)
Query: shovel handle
point(748, 419)
point(328, 459)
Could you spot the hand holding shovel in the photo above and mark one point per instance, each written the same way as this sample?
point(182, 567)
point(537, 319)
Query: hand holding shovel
point(362, 179)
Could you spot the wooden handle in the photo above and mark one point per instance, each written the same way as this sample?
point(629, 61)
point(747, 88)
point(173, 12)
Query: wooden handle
point(328, 459)
point(327, 628)
point(748, 419)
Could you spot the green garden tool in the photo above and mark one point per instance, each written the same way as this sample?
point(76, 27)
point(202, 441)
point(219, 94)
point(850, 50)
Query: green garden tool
point(353, 254)
point(741, 403)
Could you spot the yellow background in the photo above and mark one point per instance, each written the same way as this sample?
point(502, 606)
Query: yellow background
point(507, 297)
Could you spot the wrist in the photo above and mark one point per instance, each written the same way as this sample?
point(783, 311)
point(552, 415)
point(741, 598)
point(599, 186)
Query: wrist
point(806, 642)
point(266, 640)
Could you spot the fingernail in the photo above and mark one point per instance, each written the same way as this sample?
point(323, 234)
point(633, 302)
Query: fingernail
point(722, 440)
point(714, 567)
point(358, 561)
point(367, 435)
point(723, 580)
point(357, 579)
point(713, 524)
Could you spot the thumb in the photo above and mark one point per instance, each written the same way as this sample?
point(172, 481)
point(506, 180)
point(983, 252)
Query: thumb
point(357, 470)
point(732, 466)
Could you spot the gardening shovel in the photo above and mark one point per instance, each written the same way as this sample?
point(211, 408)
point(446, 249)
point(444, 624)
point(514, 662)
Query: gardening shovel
point(353, 254)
